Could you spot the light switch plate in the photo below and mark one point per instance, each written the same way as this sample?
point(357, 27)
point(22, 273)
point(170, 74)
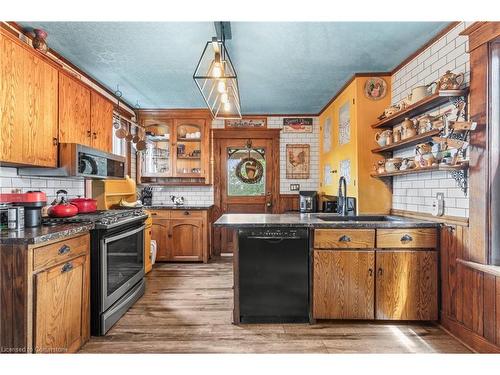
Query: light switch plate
point(438, 205)
point(294, 187)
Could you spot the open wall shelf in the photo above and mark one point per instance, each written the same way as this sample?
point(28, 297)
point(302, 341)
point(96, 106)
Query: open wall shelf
point(422, 106)
point(420, 138)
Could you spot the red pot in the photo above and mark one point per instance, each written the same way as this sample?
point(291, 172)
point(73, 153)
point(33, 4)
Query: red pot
point(63, 210)
point(84, 205)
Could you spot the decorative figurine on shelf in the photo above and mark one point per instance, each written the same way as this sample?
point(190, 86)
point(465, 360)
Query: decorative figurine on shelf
point(450, 81)
point(39, 42)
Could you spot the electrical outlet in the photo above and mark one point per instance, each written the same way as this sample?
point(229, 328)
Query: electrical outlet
point(294, 187)
point(438, 205)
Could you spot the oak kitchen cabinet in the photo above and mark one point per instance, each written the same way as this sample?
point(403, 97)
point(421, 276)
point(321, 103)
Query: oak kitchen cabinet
point(46, 296)
point(180, 151)
point(386, 274)
point(85, 117)
point(28, 98)
point(181, 235)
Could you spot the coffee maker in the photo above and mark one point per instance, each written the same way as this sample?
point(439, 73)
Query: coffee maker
point(308, 201)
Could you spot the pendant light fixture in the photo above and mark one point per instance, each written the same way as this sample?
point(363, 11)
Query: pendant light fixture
point(216, 77)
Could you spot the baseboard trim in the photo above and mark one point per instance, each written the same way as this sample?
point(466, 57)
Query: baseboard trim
point(469, 338)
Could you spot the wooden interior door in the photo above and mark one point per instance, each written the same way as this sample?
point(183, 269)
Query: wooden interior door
point(60, 306)
point(343, 284)
point(238, 196)
point(406, 285)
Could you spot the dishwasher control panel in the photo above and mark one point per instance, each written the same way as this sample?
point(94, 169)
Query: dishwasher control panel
point(275, 232)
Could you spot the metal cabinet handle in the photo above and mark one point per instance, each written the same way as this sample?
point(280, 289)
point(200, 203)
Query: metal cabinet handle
point(406, 238)
point(370, 272)
point(95, 135)
point(345, 238)
point(64, 250)
point(89, 133)
point(154, 213)
point(380, 271)
point(54, 141)
point(186, 212)
point(67, 267)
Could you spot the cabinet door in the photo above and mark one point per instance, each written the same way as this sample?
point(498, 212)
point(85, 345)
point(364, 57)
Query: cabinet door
point(101, 122)
point(74, 111)
point(61, 306)
point(191, 153)
point(186, 239)
point(343, 284)
point(406, 285)
point(159, 233)
point(28, 98)
point(147, 249)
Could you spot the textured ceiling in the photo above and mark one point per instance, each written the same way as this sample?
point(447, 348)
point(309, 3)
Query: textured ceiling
point(283, 67)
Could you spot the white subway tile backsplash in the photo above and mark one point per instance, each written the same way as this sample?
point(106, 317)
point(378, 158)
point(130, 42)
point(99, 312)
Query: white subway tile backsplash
point(416, 192)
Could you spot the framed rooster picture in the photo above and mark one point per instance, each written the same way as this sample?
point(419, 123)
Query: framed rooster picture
point(297, 161)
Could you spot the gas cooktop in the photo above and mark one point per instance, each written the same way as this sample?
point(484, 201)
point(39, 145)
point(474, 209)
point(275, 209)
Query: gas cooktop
point(101, 219)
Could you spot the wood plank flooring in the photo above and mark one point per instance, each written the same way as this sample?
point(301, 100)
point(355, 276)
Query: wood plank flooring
point(187, 309)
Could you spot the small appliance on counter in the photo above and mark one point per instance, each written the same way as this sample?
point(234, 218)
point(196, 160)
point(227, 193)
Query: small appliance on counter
point(329, 203)
point(31, 201)
point(147, 196)
point(11, 217)
point(308, 201)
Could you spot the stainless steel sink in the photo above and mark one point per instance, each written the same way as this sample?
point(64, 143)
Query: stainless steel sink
point(358, 218)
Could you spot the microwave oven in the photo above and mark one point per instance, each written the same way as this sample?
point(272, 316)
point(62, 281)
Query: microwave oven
point(77, 160)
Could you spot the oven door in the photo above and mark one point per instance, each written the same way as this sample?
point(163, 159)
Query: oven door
point(122, 263)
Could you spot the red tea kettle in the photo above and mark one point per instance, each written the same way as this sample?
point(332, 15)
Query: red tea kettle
point(60, 207)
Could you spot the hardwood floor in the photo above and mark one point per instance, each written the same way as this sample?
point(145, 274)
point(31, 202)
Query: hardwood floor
point(187, 309)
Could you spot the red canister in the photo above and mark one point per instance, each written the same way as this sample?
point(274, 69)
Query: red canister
point(84, 205)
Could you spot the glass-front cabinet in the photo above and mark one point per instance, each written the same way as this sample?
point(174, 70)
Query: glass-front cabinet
point(177, 149)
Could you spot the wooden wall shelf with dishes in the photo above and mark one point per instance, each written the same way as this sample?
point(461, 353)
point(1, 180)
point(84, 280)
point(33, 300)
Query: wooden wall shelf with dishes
point(422, 106)
point(457, 167)
point(178, 147)
point(412, 141)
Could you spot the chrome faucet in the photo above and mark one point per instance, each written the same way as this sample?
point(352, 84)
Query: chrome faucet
point(342, 197)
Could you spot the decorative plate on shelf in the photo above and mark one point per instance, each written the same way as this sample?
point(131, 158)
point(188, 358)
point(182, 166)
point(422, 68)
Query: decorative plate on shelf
point(375, 88)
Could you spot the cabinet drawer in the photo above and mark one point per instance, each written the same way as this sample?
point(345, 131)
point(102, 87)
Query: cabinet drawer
point(407, 238)
point(186, 214)
point(344, 238)
point(164, 214)
point(59, 252)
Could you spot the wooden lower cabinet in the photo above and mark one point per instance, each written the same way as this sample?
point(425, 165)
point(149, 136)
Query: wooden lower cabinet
point(45, 290)
point(343, 284)
point(181, 235)
point(61, 303)
point(406, 285)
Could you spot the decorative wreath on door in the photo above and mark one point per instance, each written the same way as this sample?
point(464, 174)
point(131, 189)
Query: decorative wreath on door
point(249, 170)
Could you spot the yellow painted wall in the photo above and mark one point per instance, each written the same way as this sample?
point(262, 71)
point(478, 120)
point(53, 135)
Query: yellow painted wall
point(373, 195)
point(339, 152)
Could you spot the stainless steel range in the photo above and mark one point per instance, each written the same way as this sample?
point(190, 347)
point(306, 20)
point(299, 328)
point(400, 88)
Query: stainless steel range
point(117, 263)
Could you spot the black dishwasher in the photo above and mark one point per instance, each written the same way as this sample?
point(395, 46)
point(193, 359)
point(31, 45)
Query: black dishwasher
point(273, 275)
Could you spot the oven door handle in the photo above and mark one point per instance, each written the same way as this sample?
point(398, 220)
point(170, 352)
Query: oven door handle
point(123, 235)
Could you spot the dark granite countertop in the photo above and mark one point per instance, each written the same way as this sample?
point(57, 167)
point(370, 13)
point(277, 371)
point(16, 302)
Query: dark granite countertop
point(178, 207)
point(29, 236)
point(314, 221)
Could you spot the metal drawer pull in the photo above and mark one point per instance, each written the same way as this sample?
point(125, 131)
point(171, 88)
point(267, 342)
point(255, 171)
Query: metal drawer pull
point(406, 238)
point(370, 272)
point(345, 238)
point(67, 267)
point(380, 271)
point(64, 250)
point(186, 212)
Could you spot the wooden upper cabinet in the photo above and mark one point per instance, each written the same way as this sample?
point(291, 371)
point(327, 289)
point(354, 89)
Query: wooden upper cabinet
point(74, 111)
point(343, 284)
point(61, 303)
point(28, 98)
point(101, 122)
point(406, 285)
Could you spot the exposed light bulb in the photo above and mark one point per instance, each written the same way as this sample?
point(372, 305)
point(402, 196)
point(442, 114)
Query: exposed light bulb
point(227, 107)
point(224, 98)
point(221, 87)
point(216, 71)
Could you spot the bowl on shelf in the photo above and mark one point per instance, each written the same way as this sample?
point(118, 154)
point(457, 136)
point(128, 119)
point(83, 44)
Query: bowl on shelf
point(393, 164)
